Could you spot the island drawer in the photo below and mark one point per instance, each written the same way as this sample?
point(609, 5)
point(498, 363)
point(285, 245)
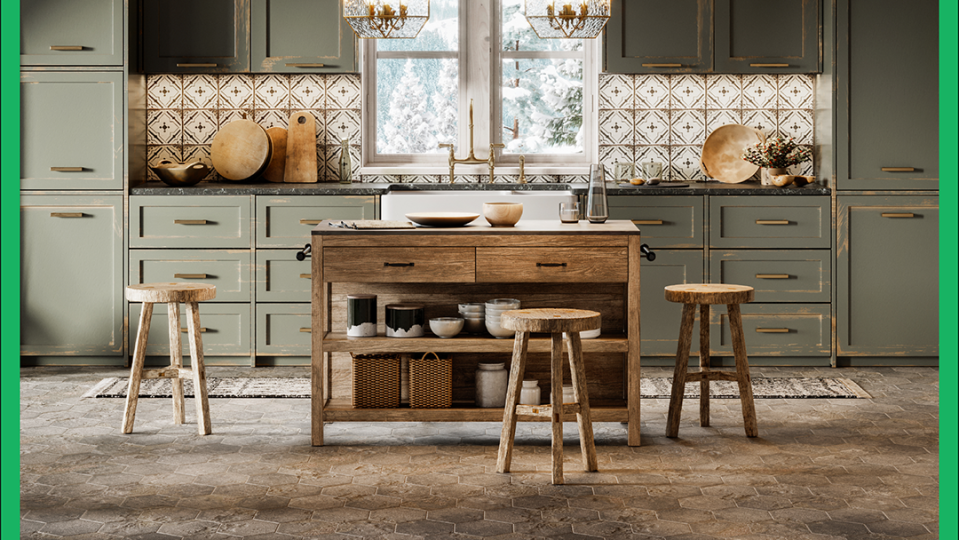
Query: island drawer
point(225, 329)
point(399, 265)
point(190, 222)
point(754, 222)
point(280, 277)
point(287, 221)
point(774, 330)
point(543, 265)
point(229, 271)
point(777, 276)
point(665, 222)
point(283, 329)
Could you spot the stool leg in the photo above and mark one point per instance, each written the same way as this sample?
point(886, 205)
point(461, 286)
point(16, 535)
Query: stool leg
point(176, 360)
point(578, 373)
point(679, 375)
point(556, 405)
point(517, 368)
point(742, 370)
point(199, 372)
point(704, 364)
point(136, 370)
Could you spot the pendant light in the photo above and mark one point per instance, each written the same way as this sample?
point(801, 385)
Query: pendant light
point(386, 19)
point(573, 19)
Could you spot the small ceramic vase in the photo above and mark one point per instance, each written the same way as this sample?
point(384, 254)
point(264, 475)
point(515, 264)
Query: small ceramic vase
point(492, 381)
point(530, 393)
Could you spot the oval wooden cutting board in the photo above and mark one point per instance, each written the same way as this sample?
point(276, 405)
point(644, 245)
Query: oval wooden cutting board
point(240, 150)
point(276, 166)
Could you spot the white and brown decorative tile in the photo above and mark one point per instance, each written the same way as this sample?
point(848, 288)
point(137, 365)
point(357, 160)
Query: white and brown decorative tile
point(271, 91)
point(616, 91)
point(687, 91)
point(652, 127)
point(343, 92)
point(307, 91)
point(540, 179)
point(652, 91)
point(411, 178)
point(225, 116)
point(342, 125)
point(321, 163)
point(759, 92)
point(658, 154)
point(687, 126)
point(797, 124)
point(274, 118)
point(721, 117)
point(684, 163)
point(806, 168)
point(795, 92)
point(199, 126)
point(609, 156)
point(574, 179)
point(157, 154)
point(724, 92)
point(505, 178)
point(235, 91)
point(164, 127)
point(616, 127)
point(377, 179)
point(199, 92)
point(164, 92)
point(763, 120)
point(192, 153)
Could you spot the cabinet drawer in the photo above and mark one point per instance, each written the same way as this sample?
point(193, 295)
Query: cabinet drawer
point(287, 221)
point(778, 276)
point(64, 145)
point(399, 265)
point(283, 329)
point(665, 222)
point(795, 222)
point(539, 265)
point(225, 329)
point(230, 271)
point(774, 330)
point(280, 277)
point(71, 33)
point(190, 222)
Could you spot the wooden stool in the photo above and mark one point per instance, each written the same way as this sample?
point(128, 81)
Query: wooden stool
point(172, 294)
point(705, 295)
point(555, 322)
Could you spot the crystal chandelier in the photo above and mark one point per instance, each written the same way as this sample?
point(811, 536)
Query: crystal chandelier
point(576, 19)
point(386, 18)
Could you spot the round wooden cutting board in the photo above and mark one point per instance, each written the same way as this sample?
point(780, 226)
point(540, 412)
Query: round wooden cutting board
point(723, 150)
point(240, 150)
point(277, 164)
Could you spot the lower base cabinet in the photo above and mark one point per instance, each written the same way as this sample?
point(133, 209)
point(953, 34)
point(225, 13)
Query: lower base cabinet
point(788, 330)
point(224, 330)
point(659, 320)
point(283, 329)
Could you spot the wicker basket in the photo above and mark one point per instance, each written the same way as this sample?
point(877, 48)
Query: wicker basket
point(431, 382)
point(376, 381)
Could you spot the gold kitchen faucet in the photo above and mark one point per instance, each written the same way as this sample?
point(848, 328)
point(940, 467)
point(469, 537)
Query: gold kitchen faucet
point(471, 159)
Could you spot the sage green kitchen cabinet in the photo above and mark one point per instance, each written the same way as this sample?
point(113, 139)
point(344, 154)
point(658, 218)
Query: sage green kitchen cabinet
point(660, 36)
point(71, 268)
point(300, 36)
point(759, 36)
point(162, 221)
point(664, 221)
point(785, 275)
point(71, 130)
point(230, 271)
point(71, 32)
point(283, 329)
point(887, 99)
point(190, 36)
point(286, 222)
point(792, 330)
point(224, 329)
point(282, 278)
point(659, 319)
point(769, 222)
point(888, 275)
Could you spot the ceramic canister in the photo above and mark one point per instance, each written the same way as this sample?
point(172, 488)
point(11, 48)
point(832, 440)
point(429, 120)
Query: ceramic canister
point(405, 320)
point(361, 315)
point(492, 380)
point(530, 393)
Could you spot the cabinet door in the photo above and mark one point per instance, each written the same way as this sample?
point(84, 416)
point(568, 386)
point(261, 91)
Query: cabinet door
point(659, 319)
point(665, 221)
point(300, 36)
point(660, 36)
point(887, 99)
point(71, 130)
point(888, 275)
point(186, 36)
point(71, 32)
point(759, 36)
point(71, 268)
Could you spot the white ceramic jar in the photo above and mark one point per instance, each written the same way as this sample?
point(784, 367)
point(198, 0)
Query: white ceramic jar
point(492, 381)
point(530, 393)
point(568, 395)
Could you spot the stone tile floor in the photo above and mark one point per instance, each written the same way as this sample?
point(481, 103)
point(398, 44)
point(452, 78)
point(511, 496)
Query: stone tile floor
point(820, 470)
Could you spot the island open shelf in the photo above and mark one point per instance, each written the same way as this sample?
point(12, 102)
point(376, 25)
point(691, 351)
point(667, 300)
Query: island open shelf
point(343, 411)
point(538, 343)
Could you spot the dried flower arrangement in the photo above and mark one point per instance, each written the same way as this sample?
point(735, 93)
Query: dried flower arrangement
point(777, 153)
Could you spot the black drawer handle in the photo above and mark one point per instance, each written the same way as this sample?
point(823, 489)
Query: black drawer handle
point(399, 265)
point(550, 265)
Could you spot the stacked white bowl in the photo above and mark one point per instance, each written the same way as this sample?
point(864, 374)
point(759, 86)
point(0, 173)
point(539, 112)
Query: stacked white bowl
point(494, 311)
point(475, 315)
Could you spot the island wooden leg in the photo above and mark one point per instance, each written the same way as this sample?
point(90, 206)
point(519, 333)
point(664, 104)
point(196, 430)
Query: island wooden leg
point(136, 370)
point(517, 368)
point(679, 375)
point(176, 361)
point(742, 370)
point(199, 371)
point(556, 405)
point(634, 337)
point(704, 365)
point(319, 313)
point(577, 371)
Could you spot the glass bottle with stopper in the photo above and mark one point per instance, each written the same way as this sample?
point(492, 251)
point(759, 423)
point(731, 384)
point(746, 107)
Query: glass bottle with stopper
point(597, 208)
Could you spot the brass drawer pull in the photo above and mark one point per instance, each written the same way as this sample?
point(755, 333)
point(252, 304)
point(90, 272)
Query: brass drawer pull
point(306, 330)
point(66, 47)
point(310, 221)
point(399, 265)
point(189, 276)
point(66, 214)
point(66, 169)
point(768, 65)
point(772, 330)
point(772, 276)
point(894, 215)
point(647, 222)
point(306, 65)
point(190, 221)
point(185, 330)
point(196, 65)
point(550, 265)
point(663, 65)
point(306, 276)
point(898, 169)
point(772, 222)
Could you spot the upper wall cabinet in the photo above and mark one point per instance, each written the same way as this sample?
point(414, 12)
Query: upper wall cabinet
point(887, 99)
point(293, 36)
point(713, 36)
point(71, 32)
point(187, 36)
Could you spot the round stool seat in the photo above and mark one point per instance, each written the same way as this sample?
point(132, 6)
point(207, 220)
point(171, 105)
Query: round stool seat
point(551, 320)
point(709, 293)
point(171, 292)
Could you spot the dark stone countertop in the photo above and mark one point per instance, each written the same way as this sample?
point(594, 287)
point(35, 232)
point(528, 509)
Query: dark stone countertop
point(719, 188)
point(245, 188)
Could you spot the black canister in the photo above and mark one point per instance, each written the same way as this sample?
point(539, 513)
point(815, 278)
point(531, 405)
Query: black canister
point(361, 315)
point(405, 320)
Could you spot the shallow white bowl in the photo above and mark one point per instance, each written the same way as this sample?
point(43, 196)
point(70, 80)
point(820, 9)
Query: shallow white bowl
point(589, 334)
point(446, 327)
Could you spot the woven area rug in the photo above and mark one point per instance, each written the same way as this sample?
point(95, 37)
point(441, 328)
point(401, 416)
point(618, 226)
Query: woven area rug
point(651, 388)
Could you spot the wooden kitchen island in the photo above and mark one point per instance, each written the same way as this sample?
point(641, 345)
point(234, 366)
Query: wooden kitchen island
point(542, 263)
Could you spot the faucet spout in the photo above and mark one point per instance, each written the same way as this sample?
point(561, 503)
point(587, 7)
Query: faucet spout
point(492, 159)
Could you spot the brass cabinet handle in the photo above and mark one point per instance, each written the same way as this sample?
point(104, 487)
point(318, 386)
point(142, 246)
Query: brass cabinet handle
point(185, 330)
point(66, 169)
point(768, 65)
point(310, 221)
point(196, 65)
point(399, 265)
point(550, 265)
point(772, 222)
point(772, 330)
point(66, 214)
point(306, 276)
point(647, 222)
point(663, 65)
point(190, 276)
point(190, 221)
point(772, 276)
point(898, 169)
point(66, 47)
point(306, 330)
point(894, 215)
point(307, 65)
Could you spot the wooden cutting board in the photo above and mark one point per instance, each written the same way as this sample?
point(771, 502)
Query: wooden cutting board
point(276, 166)
point(240, 150)
point(301, 148)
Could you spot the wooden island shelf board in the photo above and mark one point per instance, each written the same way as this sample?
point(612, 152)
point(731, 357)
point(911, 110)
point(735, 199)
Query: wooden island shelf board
point(543, 263)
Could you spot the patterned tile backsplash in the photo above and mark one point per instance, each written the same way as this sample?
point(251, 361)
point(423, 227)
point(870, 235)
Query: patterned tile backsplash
point(663, 118)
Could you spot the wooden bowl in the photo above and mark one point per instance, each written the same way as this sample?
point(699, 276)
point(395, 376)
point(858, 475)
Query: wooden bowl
point(502, 214)
point(181, 174)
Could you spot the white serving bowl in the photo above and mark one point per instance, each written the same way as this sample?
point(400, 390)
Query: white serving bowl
point(502, 302)
point(498, 331)
point(589, 334)
point(446, 327)
point(471, 307)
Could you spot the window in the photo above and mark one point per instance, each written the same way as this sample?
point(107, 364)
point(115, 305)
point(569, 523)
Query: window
point(532, 95)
